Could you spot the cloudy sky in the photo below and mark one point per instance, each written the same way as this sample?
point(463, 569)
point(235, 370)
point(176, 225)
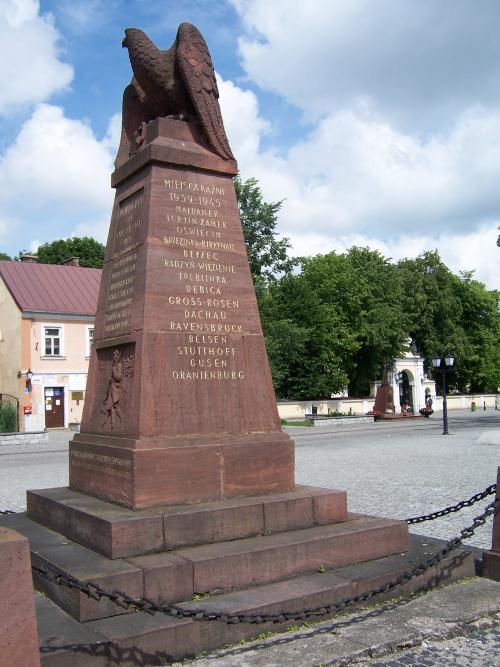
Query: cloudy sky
point(377, 122)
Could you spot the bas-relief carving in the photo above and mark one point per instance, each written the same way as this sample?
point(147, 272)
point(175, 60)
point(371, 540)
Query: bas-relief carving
point(111, 403)
point(116, 376)
point(177, 83)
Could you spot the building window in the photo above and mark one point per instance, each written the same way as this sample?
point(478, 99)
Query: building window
point(52, 341)
point(90, 340)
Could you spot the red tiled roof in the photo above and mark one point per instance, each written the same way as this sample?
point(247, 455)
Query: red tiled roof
point(52, 288)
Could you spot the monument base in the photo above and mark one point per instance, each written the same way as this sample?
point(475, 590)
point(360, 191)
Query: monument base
point(270, 553)
point(148, 472)
point(118, 532)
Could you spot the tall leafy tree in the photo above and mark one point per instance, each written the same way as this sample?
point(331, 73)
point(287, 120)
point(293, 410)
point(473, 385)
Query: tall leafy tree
point(478, 360)
point(267, 253)
point(89, 251)
point(457, 314)
point(431, 304)
point(306, 340)
point(4, 255)
point(336, 322)
point(363, 289)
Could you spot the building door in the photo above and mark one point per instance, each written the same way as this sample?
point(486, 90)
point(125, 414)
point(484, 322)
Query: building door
point(54, 407)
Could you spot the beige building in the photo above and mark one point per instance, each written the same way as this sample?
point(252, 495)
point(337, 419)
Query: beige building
point(47, 316)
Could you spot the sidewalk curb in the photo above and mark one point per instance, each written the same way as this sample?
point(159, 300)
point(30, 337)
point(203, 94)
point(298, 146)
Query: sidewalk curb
point(442, 614)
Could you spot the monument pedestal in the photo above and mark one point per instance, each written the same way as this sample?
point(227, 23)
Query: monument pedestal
point(180, 406)
point(274, 554)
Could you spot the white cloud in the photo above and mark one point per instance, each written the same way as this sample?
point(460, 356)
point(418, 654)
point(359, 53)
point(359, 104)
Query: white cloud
point(57, 159)
point(417, 63)
point(9, 228)
point(473, 251)
point(57, 173)
point(357, 180)
point(244, 126)
point(30, 68)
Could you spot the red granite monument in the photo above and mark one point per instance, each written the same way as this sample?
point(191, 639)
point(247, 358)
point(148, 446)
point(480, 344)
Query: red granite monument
point(181, 480)
point(180, 405)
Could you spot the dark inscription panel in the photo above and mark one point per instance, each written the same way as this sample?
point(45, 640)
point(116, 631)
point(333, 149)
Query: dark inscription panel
point(127, 235)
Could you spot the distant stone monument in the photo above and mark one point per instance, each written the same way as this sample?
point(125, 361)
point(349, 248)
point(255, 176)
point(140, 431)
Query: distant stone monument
point(384, 400)
point(180, 405)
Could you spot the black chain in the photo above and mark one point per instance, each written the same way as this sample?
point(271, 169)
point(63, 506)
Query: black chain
point(145, 605)
point(489, 490)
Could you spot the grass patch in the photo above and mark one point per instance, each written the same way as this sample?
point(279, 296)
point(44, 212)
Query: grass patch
point(303, 422)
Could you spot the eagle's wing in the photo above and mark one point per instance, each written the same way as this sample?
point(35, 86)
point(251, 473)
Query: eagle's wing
point(198, 74)
point(132, 117)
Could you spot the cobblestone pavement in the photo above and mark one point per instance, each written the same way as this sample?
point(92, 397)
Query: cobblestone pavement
point(402, 470)
point(24, 467)
point(479, 649)
point(394, 470)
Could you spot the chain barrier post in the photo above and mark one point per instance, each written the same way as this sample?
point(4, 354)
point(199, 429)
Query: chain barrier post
point(492, 558)
point(18, 629)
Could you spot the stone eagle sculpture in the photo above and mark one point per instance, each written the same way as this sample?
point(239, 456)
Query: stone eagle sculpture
point(177, 83)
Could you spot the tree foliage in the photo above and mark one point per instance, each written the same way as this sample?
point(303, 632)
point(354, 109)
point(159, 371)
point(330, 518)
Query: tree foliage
point(89, 251)
point(4, 255)
point(457, 314)
point(267, 254)
point(337, 322)
point(340, 318)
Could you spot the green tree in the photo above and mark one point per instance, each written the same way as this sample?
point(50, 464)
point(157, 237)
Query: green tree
point(89, 251)
point(364, 290)
point(478, 361)
point(337, 322)
point(267, 254)
point(457, 314)
point(4, 255)
point(303, 339)
point(433, 309)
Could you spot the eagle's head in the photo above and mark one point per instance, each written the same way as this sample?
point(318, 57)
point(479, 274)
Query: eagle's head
point(133, 36)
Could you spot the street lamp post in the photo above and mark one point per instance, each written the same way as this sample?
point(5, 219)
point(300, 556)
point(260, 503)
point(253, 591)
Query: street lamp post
point(443, 366)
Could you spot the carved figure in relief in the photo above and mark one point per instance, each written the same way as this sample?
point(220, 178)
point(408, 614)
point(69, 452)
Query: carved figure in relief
point(111, 407)
point(177, 83)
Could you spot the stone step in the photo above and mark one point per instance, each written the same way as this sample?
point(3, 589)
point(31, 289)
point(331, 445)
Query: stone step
point(260, 560)
point(178, 575)
point(118, 532)
point(52, 550)
point(151, 640)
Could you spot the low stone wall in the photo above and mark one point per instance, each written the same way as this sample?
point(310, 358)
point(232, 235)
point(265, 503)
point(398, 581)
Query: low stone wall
point(298, 409)
point(341, 421)
point(360, 406)
point(35, 438)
